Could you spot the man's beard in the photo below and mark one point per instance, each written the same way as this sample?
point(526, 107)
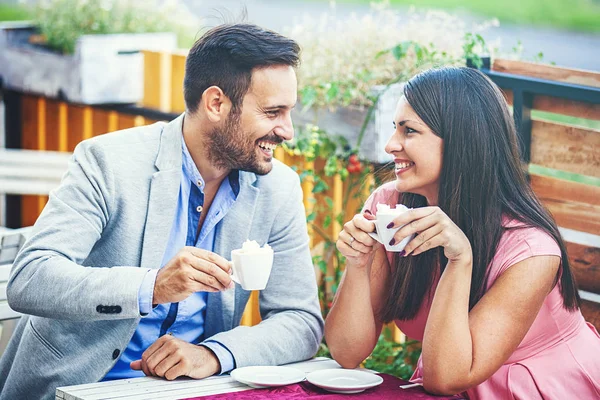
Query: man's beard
point(231, 148)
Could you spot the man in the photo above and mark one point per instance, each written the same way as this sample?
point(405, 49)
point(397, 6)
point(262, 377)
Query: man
point(126, 273)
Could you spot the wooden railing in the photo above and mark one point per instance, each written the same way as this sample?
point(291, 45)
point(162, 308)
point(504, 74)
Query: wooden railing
point(554, 146)
point(55, 125)
point(163, 80)
point(573, 152)
point(565, 157)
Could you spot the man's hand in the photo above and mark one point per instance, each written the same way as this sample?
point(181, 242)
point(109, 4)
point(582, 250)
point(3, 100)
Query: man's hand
point(171, 358)
point(191, 270)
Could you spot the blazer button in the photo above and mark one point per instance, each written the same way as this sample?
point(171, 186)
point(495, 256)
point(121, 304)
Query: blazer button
point(116, 354)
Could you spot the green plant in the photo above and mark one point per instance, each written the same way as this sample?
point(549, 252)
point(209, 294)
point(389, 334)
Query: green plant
point(389, 357)
point(473, 45)
point(339, 159)
point(62, 22)
point(335, 73)
point(344, 58)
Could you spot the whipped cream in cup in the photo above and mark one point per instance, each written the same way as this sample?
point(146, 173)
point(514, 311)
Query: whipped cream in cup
point(385, 215)
point(250, 246)
point(252, 265)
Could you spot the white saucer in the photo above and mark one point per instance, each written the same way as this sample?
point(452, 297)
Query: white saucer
point(344, 380)
point(263, 377)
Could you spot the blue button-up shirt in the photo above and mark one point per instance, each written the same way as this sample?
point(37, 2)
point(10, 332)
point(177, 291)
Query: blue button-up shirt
point(184, 320)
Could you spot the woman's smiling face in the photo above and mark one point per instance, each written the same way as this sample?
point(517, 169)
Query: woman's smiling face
point(417, 153)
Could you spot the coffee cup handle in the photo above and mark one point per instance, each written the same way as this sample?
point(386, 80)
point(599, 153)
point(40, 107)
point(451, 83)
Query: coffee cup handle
point(235, 279)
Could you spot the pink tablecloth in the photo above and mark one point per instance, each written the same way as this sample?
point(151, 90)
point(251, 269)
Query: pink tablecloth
point(389, 389)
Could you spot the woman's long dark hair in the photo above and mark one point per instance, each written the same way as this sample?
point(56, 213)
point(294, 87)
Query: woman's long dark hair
point(482, 180)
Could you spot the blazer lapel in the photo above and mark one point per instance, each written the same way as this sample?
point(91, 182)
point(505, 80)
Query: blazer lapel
point(233, 230)
point(164, 190)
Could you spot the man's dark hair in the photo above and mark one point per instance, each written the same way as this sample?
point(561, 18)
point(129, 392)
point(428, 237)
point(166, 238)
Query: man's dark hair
point(226, 55)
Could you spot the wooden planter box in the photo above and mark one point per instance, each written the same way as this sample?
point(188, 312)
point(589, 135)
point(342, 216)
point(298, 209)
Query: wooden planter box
point(103, 69)
point(347, 122)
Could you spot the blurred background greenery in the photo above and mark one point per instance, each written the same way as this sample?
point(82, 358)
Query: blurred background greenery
point(12, 12)
point(579, 15)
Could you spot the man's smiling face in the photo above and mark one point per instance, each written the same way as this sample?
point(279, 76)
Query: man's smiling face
point(246, 141)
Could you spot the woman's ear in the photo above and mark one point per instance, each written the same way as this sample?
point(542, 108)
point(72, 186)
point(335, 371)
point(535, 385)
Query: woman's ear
point(215, 104)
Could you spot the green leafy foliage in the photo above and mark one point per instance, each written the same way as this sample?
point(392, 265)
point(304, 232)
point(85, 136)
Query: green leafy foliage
point(344, 58)
point(473, 44)
point(340, 158)
point(62, 22)
point(315, 144)
point(389, 357)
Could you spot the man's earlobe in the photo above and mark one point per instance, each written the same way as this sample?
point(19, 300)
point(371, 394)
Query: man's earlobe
point(215, 103)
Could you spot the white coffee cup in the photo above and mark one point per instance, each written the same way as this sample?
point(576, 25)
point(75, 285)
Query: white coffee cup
point(382, 233)
point(252, 265)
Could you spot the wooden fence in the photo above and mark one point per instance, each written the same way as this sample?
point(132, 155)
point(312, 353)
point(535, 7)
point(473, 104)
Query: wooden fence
point(564, 156)
point(572, 152)
point(55, 125)
point(558, 148)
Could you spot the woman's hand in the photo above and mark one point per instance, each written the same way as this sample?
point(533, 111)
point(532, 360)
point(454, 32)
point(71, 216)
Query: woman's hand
point(354, 241)
point(433, 228)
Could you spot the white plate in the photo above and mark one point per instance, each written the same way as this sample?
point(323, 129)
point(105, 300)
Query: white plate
point(344, 380)
point(263, 377)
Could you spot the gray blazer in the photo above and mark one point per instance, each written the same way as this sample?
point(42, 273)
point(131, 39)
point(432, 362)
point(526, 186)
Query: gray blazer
point(79, 274)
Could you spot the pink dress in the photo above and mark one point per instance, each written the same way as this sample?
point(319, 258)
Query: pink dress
point(559, 357)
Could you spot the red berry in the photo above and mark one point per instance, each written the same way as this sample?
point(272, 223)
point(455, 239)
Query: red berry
point(353, 159)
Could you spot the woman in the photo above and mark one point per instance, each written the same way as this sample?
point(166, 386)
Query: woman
point(486, 283)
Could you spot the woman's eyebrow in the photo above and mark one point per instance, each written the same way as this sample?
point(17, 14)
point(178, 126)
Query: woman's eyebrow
point(401, 123)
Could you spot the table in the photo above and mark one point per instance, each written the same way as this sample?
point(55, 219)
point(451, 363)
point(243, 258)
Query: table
point(223, 386)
